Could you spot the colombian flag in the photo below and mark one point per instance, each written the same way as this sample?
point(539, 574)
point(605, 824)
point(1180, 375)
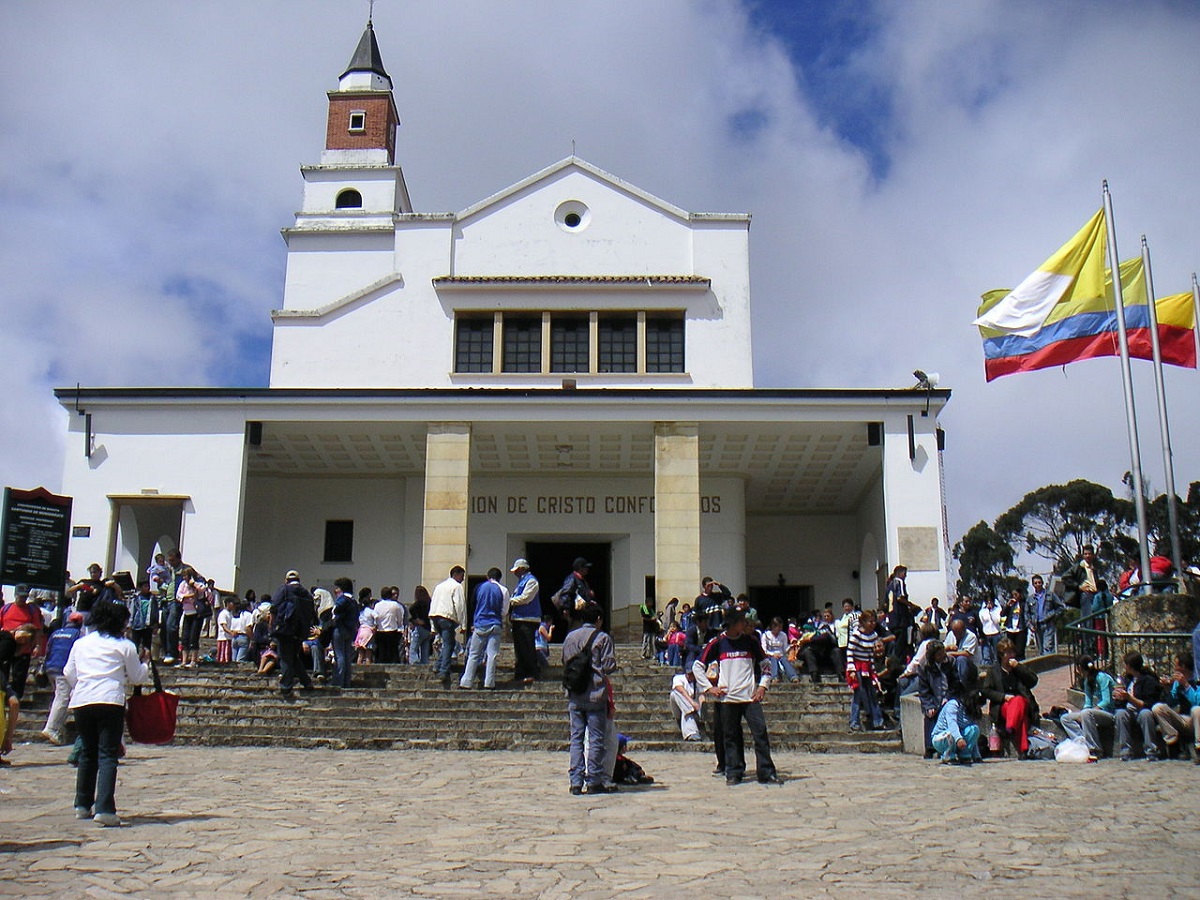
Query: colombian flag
point(1065, 312)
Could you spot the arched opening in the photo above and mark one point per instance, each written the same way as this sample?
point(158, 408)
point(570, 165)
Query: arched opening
point(349, 199)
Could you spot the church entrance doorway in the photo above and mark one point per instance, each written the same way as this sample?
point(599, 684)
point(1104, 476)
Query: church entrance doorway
point(550, 562)
point(786, 601)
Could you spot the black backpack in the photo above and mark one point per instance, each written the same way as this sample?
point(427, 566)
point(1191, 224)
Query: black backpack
point(577, 672)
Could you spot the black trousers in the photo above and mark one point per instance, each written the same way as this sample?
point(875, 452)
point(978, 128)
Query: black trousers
point(731, 715)
point(717, 729)
point(15, 674)
point(527, 664)
point(291, 662)
point(100, 728)
point(387, 646)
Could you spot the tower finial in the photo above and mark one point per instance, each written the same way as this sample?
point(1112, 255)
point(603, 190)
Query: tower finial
point(370, 12)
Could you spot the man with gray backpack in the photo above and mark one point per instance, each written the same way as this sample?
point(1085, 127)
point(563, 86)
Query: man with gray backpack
point(588, 660)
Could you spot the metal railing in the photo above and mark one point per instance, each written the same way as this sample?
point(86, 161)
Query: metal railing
point(1097, 639)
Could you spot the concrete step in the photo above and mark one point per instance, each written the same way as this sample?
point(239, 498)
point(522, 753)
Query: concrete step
point(407, 707)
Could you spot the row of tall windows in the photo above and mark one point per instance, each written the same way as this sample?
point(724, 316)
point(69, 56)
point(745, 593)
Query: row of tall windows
point(563, 342)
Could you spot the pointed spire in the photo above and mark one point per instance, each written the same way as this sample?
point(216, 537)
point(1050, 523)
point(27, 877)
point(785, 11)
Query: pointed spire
point(366, 57)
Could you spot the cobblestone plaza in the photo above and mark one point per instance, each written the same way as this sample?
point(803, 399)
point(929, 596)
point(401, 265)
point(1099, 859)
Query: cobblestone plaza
point(238, 822)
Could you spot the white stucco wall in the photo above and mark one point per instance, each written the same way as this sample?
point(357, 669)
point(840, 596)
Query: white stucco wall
point(140, 450)
point(821, 551)
point(913, 499)
point(378, 187)
point(402, 334)
point(624, 235)
point(872, 527)
point(285, 529)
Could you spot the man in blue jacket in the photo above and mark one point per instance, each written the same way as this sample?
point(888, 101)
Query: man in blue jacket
point(58, 648)
point(491, 605)
point(525, 611)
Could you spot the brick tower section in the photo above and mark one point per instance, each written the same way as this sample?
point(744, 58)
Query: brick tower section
point(379, 125)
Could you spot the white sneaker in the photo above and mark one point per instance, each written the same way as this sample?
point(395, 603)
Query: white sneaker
point(83, 812)
point(52, 736)
point(108, 820)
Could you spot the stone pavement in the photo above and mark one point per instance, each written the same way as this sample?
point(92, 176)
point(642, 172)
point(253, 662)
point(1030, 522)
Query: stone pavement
point(247, 822)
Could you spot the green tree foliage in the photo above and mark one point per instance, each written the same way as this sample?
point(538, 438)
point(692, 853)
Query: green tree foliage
point(1159, 526)
point(1055, 521)
point(985, 563)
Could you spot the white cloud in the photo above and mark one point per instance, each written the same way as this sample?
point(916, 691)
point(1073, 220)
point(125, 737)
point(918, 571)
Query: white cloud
point(151, 153)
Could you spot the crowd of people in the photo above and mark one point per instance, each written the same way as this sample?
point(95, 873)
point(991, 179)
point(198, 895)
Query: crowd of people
point(956, 660)
point(966, 664)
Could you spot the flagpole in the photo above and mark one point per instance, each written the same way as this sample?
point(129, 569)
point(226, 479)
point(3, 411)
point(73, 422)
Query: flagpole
point(1163, 425)
point(1135, 454)
point(1196, 304)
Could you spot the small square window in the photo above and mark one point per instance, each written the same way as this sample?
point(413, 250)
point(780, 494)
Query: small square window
point(358, 120)
point(522, 344)
point(664, 344)
point(618, 344)
point(568, 344)
point(473, 345)
point(339, 541)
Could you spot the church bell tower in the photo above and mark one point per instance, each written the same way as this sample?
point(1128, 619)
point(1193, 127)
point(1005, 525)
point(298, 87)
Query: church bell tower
point(362, 112)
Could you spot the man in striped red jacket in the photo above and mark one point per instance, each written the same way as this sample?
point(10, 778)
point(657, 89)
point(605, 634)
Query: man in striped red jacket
point(739, 683)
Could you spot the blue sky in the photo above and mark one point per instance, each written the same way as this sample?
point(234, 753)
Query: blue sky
point(823, 41)
point(899, 158)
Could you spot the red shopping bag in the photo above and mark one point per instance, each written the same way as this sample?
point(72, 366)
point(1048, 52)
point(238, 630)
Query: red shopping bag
point(150, 718)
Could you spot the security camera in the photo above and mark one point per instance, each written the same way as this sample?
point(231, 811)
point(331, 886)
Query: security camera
point(926, 382)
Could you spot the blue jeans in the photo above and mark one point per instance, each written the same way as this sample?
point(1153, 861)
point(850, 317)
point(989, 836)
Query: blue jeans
point(484, 642)
point(987, 648)
point(446, 630)
point(314, 649)
point(1196, 652)
point(781, 669)
point(100, 727)
point(592, 719)
point(418, 645)
point(865, 699)
point(170, 632)
point(343, 653)
point(673, 656)
point(241, 648)
point(1047, 636)
point(947, 747)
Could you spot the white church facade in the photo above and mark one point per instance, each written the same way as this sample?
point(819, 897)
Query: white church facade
point(561, 369)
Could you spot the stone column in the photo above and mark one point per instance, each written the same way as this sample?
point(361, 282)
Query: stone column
point(447, 482)
point(676, 510)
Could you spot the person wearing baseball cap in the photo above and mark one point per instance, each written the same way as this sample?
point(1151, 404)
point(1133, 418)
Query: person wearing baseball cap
point(22, 616)
point(292, 618)
point(58, 649)
point(525, 612)
point(575, 591)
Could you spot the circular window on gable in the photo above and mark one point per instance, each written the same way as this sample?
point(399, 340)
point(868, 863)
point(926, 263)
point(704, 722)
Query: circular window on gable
point(349, 199)
point(571, 215)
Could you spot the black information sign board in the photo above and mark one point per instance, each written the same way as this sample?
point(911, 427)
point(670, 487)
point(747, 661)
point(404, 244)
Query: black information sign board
point(33, 542)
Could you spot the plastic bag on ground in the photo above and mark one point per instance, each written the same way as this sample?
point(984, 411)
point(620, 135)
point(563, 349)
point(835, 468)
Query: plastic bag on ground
point(1071, 751)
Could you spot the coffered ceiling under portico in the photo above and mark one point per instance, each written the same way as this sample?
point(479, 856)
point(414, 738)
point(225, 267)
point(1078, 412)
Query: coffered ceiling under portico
point(814, 468)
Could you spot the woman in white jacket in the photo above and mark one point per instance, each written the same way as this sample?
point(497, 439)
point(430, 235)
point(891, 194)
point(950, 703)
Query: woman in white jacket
point(101, 664)
point(989, 623)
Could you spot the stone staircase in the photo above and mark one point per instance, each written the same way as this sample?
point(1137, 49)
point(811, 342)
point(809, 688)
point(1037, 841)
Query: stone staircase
point(401, 707)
